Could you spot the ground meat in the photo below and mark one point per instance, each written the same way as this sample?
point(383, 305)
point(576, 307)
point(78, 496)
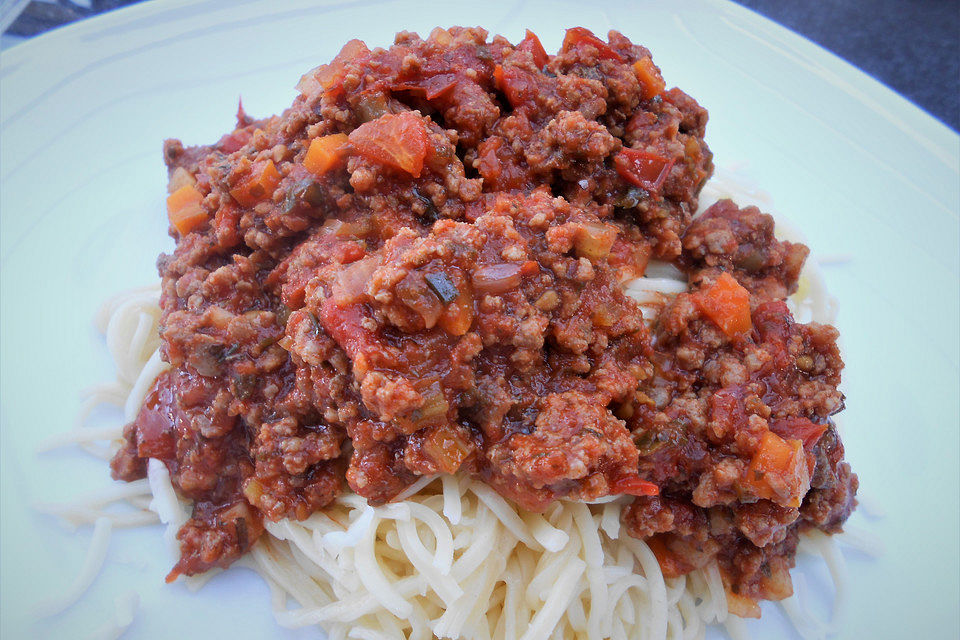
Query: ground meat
point(418, 269)
point(720, 408)
point(741, 241)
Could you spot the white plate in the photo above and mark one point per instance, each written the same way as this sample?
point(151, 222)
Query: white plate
point(84, 111)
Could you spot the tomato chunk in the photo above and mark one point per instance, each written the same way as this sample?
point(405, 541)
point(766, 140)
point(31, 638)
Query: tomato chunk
point(344, 324)
point(580, 35)
point(399, 141)
point(234, 141)
point(326, 153)
point(796, 427)
point(531, 44)
point(430, 88)
point(643, 169)
point(727, 304)
point(330, 76)
point(519, 86)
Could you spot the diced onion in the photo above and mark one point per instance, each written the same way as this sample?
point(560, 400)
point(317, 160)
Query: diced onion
point(497, 278)
point(595, 239)
point(352, 281)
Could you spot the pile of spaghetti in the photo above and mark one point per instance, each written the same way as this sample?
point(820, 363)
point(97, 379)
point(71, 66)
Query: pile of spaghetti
point(444, 352)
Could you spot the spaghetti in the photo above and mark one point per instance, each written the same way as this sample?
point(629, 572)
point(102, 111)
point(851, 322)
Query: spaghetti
point(463, 278)
point(450, 558)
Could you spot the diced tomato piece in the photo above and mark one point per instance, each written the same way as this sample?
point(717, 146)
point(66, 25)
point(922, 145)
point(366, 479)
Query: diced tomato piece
point(727, 413)
point(326, 153)
point(799, 428)
point(629, 259)
point(330, 76)
point(651, 82)
point(400, 141)
point(226, 223)
point(258, 185)
point(184, 209)
point(643, 169)
point(580, 35)
point(778, 471)
point(531, 44)
point(727, 304)
point(234, 141)
point(432, 87)
point(156, 421)
point(634, 486)
point(343, 323)
point(489, 163)
point(518, 85)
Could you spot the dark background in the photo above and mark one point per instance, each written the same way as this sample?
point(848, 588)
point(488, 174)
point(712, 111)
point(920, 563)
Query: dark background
point(912, 46)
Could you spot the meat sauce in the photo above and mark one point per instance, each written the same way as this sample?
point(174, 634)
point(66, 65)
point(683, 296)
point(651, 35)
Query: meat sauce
point(418, 268)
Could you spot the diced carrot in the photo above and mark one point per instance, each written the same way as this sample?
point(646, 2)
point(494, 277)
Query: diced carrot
point(326, 153)
point(498, 77)
point(635, 486)
point(400, 141)
point(578, 35)
point(727, 304)
point(258, 185)
point(651, 82)
point(778, 471)
point(184, 209)
point(530, 268)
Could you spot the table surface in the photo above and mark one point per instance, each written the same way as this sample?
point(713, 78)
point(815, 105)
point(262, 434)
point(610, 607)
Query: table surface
point(922, 61)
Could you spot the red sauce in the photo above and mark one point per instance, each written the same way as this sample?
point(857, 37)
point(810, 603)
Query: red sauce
point(443, 294)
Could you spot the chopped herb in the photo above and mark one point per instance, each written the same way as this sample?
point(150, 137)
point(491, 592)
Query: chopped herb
point(305, 191)
point(225, 354)
point(431, 213)
point(244, 385)
point(630, 199)
point(441, 285)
